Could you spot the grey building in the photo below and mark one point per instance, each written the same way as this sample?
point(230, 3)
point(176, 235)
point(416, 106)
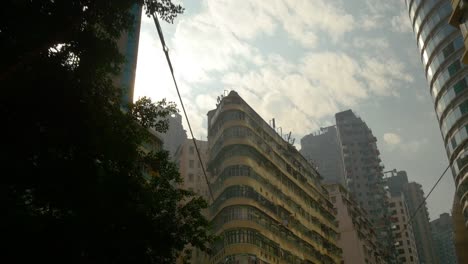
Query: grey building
point(443, 237)
point(441, 48)
point(364, 175)
point(414, 196)
point(323, 149)
point(175, 136)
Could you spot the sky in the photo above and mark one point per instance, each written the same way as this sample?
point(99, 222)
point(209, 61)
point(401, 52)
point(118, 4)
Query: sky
point(300, 62)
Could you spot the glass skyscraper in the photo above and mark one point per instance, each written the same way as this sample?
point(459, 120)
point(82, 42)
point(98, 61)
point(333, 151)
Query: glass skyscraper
point(441, 47)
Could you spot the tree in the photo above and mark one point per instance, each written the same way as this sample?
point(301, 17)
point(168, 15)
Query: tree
point(73, 188)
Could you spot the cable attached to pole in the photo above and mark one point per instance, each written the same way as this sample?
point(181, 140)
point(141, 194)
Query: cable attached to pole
point(166, 52)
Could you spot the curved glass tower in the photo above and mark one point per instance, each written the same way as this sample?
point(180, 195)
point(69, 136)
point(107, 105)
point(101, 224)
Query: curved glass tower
point(441, 47)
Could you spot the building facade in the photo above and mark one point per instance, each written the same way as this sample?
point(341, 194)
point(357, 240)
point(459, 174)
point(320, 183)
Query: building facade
point(128, 47)
point(443, 237)
point(441, 47)
point(460, 232)
point(414, 195)
point(357, 238)
point(364, 175)
point(269, 205)
point(190, 168)
point(459, 19)
point(175, 136)
point(323, 148)
point(403, 231)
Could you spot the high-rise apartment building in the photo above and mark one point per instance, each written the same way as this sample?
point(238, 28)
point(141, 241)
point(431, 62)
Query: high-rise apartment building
point(405, 242)
point(441, 48)
point(442, 235)
point(269, 205)
point(357, 238)
point(414, 196)
point(364, 174)
point(323, 148)
point(175, 136)
point(190, 168)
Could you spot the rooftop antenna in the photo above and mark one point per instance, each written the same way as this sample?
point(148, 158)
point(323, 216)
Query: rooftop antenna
point(273, 122)
point(289, 136)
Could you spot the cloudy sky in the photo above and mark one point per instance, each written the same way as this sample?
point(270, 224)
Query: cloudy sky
point(301, 61)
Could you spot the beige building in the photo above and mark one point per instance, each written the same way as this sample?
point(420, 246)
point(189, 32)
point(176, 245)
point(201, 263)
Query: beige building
point(403, 231)
point(357, 237)
point(269, 204)
point(190, 168)
point(459, 19)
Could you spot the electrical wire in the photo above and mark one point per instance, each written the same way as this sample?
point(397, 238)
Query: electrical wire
point(429, 194)
point(166, 52)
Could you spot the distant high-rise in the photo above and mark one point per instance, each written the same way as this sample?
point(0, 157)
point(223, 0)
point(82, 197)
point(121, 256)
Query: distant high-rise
point(269, 205)
point(403, 230)
point(414, 196)
point(190, 168)
point(175, 136)
point(441, 47)
point(364, 174)
point(323, 148)
point(357, 239)
point(442, 235)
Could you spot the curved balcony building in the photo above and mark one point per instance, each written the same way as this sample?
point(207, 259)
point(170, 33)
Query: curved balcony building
point(441, 48)
point(269, 205)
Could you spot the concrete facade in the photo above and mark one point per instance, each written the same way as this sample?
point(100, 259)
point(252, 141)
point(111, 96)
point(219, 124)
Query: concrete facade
point(190, 168)
point(403, 230)
point(357, 237)
point(414, 196)
point(364, 175)
point(443, 237)
point(323, 148)
point(175, 136)
point(269, 205)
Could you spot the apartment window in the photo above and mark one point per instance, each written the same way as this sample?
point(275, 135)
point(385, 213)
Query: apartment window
point(191, 150)
point(190, 177)
point(191, 163)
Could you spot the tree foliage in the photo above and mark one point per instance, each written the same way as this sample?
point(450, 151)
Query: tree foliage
point(73, 189)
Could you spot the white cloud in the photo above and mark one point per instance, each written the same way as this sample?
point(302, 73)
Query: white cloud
point(213, 50)
point(401, 23)
point(392, 139)
point(370, 43)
